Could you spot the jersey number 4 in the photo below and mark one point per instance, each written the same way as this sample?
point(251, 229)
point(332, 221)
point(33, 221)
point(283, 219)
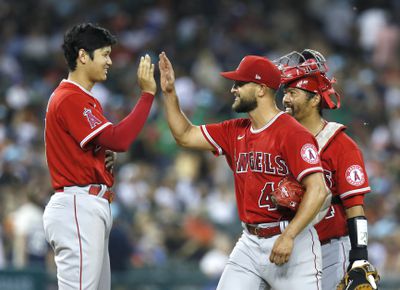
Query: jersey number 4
point(265, 197)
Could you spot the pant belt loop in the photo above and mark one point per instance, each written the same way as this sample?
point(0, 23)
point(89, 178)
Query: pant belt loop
point(103, 189)
point(283, 225)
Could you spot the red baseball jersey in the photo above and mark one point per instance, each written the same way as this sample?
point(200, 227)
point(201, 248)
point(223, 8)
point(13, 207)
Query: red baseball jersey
point(260, 158)
point(73, 118)
point(345, 175)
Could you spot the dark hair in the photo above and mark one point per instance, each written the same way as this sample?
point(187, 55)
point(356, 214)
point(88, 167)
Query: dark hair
point(310, 95)
point(85, 36)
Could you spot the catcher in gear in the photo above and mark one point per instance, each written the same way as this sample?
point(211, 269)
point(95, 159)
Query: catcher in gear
point(343, 232)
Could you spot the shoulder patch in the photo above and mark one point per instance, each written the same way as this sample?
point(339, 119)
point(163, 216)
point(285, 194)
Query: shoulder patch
point(309, 153)
point(355, 175)
point(92, 119)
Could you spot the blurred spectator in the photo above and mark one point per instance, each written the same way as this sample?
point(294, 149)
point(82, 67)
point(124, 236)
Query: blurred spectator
point(2, 256)
point(120, 246)
point(29, 243)
point(213, 262)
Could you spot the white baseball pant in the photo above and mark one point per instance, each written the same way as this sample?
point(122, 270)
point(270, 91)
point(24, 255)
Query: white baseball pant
point(249, 266)
point(335, 259)
point(77, 226)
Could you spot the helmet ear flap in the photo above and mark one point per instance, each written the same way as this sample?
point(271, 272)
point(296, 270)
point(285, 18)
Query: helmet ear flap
point(328, 96)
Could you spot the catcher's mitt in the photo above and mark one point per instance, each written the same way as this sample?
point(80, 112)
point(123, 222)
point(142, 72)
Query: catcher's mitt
point(361, 276)
point(288, 194)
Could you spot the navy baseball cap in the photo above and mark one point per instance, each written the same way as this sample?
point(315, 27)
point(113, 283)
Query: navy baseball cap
point(256, 69)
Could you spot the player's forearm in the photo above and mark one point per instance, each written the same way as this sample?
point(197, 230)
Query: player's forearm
point(121, 136)
point(310, 205)
point(177, 121)
point(354, 211)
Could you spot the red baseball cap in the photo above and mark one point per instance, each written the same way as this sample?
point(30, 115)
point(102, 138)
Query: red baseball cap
point(256, 69)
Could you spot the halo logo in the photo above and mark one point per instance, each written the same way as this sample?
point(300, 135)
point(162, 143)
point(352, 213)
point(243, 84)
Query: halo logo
point(309, 153)
point(92, 119)
point(355, 175)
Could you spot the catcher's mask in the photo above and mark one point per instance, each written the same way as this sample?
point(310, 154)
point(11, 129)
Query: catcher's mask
point(306, 62)
point(306, 71)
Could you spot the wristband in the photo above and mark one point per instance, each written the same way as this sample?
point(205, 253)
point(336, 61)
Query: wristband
point(358, 233)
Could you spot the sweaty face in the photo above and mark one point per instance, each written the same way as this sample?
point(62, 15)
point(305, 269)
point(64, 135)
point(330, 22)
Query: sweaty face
point(245, 99)
point(297, 103)
point(98, 67)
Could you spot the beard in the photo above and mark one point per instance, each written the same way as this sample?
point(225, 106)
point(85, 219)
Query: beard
point(244, 105)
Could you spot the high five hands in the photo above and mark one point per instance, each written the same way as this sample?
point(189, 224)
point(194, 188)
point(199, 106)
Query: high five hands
point(146, 79)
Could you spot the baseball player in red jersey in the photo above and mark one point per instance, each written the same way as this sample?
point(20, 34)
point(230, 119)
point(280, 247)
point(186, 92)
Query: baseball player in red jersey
point(307, 92)
point(277, 248)
point(77, 220)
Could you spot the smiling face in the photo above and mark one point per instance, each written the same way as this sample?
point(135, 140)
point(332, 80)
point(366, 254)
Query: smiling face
point(97, 68)
point(245, 97)
point(299, 103)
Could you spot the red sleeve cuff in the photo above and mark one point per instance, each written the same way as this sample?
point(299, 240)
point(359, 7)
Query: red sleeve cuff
point(218, 150)
point(309, 171)
point(353, 201)
point(147, 96)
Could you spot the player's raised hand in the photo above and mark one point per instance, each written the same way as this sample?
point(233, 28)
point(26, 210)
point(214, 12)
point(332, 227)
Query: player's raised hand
point(145, 74)
point(167, 74)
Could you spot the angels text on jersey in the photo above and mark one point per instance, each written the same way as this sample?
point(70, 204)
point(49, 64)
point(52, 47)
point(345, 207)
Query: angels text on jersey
point(261, 162)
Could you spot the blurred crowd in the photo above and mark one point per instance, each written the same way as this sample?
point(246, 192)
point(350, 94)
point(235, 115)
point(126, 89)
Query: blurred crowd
point(174, 204)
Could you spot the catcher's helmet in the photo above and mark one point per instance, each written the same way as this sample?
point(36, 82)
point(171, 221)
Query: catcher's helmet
point(306, 70)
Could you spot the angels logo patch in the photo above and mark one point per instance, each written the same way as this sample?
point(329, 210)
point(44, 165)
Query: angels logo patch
point(309, 153)
point(92, 119)
point(355, 175)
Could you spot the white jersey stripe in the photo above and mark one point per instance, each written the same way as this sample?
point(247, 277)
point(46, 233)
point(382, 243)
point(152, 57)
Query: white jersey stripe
point(89, 137)
point(306, 171)
point(255, 131)
point(211, 140)
point(79, 86)
point(360, 190)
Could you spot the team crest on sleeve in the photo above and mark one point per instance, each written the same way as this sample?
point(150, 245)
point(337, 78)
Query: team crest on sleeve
point(92, 119)
point(309, 153)
point(355, 175)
